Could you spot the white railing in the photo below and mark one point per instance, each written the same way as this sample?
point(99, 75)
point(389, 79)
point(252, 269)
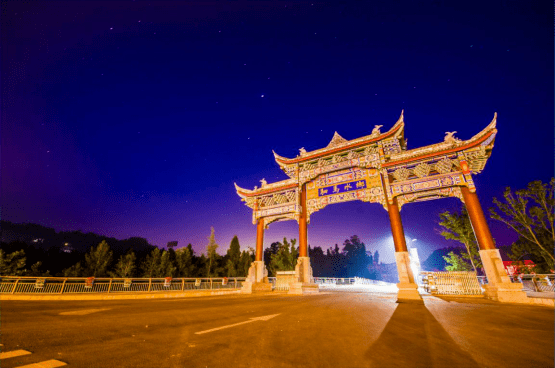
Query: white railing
point(543, 283)
point(70, 285)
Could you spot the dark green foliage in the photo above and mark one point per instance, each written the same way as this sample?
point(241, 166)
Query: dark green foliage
point(286, 257)
point(74, 271)
point(457, 263)
point(185, 262)
point(247, 257)
point(98, 260)
point(125, 266)
point(233, 257)
point(211, 254)
point(12, 264)
point(456, 226)
point(530, 213)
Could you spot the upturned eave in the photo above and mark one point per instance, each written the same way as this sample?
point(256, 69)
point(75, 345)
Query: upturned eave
point(397, 130)
point(444, 148)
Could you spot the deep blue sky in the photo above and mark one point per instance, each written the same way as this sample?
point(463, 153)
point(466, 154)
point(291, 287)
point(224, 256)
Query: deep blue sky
point(134, 118)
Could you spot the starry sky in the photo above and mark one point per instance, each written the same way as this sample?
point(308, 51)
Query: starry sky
point(135, 118)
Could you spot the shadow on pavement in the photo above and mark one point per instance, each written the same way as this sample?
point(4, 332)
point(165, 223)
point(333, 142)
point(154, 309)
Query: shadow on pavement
point(414, 338)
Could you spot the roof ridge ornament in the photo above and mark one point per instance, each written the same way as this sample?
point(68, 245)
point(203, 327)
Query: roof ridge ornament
point(337, 140)
point(376, 131)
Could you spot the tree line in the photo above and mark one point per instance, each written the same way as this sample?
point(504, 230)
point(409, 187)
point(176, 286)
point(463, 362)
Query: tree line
point(349, 261)
point(100, 261)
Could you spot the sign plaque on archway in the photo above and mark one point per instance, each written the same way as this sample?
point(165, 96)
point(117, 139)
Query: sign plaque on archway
point(378, 168)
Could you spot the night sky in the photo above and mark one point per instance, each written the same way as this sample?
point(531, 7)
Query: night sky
point(135, 118)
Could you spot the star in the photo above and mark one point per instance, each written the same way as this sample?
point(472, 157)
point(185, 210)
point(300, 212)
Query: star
point(111, 28)
point(261, 95)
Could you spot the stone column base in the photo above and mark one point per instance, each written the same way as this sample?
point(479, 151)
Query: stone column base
point(506, 293)
point(300, 288)
point(257, 279)
point(408, 289)
point(305, 282)
point(499, 286)
point(408, 293)
point(256, 287)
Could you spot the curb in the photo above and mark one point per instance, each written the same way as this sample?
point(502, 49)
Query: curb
point(115, 296)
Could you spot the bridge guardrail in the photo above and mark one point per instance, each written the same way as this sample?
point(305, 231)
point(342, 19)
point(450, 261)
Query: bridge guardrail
point(82, 285)
point(538, 283)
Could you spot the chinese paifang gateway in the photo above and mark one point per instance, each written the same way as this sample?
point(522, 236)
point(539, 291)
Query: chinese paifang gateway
point(378, 168)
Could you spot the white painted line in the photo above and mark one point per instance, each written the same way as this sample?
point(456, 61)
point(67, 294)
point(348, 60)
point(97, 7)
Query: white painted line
point(14, 353)
point(46, 364)
point(263, 318)
point(82, 312)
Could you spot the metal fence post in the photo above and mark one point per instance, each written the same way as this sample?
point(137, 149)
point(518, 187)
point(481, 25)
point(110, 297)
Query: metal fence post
point(15, 285)
point(211, 284)
point(235, 283)
point(149, 284)
point(63, 286)
point(110, 286)
point(182, 284)
point(548, 281)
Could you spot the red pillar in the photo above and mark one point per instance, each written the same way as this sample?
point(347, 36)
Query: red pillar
point(477, 219)
point(259, 239)
point(397, 227)
point(303, 252)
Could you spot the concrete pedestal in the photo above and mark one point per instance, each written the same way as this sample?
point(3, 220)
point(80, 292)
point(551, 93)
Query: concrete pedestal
point(499, 287)
point(257, 279)
point(303, 288)
point(256, 287)
point(305, 282)
point(408, 289)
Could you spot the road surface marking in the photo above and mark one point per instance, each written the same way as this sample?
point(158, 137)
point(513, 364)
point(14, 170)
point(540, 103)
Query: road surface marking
point(263, 318)
point(46, 364)
point(14, 353)
point(82, 312)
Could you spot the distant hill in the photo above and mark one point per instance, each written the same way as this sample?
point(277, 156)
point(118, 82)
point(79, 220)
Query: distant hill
point(46, 238)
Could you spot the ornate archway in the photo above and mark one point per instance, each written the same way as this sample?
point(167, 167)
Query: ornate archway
point(378, 168)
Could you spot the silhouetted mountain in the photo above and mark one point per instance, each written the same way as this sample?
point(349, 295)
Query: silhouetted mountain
point(42, 237)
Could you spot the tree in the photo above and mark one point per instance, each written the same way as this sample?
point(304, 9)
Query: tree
point(285, 258)
point(457, 226)
point(233, 257)
point(247, 257)
point(456, 263)
point(376, 257)
point(268, 252)
point(98, 260)
point(167, 267)
point(151, 265)
point(125, 266)
point(529, 212)
point(357, 260)
point(12, 264)
point(184, 261)
point(36, 271)
point(74, 271)
point(211, 252)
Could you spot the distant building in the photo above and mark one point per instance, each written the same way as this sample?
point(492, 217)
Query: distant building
point(67, 248)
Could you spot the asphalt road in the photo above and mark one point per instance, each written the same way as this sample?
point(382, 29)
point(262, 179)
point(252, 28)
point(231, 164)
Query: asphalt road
point(325, 330)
